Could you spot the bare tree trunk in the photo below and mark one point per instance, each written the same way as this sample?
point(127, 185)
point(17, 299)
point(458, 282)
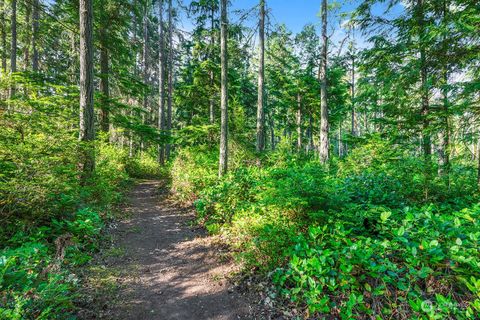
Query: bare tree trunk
point(478, 165)
point(161, 83)
point(261, 79)
point(424, 86)
point(145, 71)
point(444, 134)
point(426, 140)
point(13, 49)
point(26, 48)
point(212, 75)
point(131, 136)
point(324, 126)
point(299, 122)
point(3, 32)
point(354, 132)
point(87, 133)
point(170, 76)
point(35, 27)
point(104, 81)
point(223, 162)
point(145, 58)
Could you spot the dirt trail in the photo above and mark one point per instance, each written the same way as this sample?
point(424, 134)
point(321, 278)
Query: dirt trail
point(170, 270)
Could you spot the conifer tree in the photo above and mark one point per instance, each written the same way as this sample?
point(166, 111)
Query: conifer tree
point(223, 164)
point(87, 133)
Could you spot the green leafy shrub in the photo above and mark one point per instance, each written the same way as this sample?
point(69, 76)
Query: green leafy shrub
point(356, 240)
point(379, 172)
point(110, 178)
point(219, 202)
point(26, 293)
point(301, 189)
point(419, 264)
point(145, 166)
point(36, 284)
point(192, 171)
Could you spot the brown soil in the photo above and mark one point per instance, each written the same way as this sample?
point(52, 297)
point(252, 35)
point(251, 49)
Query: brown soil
point(168, 269)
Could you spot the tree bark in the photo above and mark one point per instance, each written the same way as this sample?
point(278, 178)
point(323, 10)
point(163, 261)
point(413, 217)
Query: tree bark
point(104, 81)
point(145, 71)
point(223, 161)
point(87, 133)
point(444, 134)
point(478, 166)
point(145, 58)
point(3, 36)
point(212, 75)
point(354, 132)
point(26, 48)
point(170, 77)
point(426, 140)
point(131, 136)
point(35, 27)
point(427, 149)
point(161, 83)
point(299, 122)
point(324, 125)
point(13, 48)
point(261, 79)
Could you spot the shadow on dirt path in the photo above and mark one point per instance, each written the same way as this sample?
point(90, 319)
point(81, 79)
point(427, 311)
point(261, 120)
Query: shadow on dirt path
point(167, 269)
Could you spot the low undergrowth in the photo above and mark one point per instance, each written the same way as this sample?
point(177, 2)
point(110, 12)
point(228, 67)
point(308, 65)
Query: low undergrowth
point(51, 225)
point(360, 239)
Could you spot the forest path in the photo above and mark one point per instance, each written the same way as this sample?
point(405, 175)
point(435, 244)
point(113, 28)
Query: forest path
point(171, 271)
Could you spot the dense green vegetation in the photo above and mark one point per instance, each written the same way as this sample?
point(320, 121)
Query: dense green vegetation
point(341, 163)
point(52, 221)
point(51, 224)
point(355, 239)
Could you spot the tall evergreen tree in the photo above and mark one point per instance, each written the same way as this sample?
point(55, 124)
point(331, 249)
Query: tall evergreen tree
point(170, 76)
point(104, 71)
point(261, 79)
point(87, 131)
point(161, 81)
point(35, 31)
point(13, 46)
point(223, 162)
point(324, 143)
point(3, 36)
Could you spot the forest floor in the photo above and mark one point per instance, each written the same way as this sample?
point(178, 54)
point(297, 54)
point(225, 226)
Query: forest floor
point(162, 267)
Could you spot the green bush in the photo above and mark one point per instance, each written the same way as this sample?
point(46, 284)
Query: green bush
point(236, 192)
point(35, 283)
point(379, 172)
point(353, 241)
point(192, 171)
point(195, 168)
point(146, 166)
point(423, 263)
point(28, 294)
